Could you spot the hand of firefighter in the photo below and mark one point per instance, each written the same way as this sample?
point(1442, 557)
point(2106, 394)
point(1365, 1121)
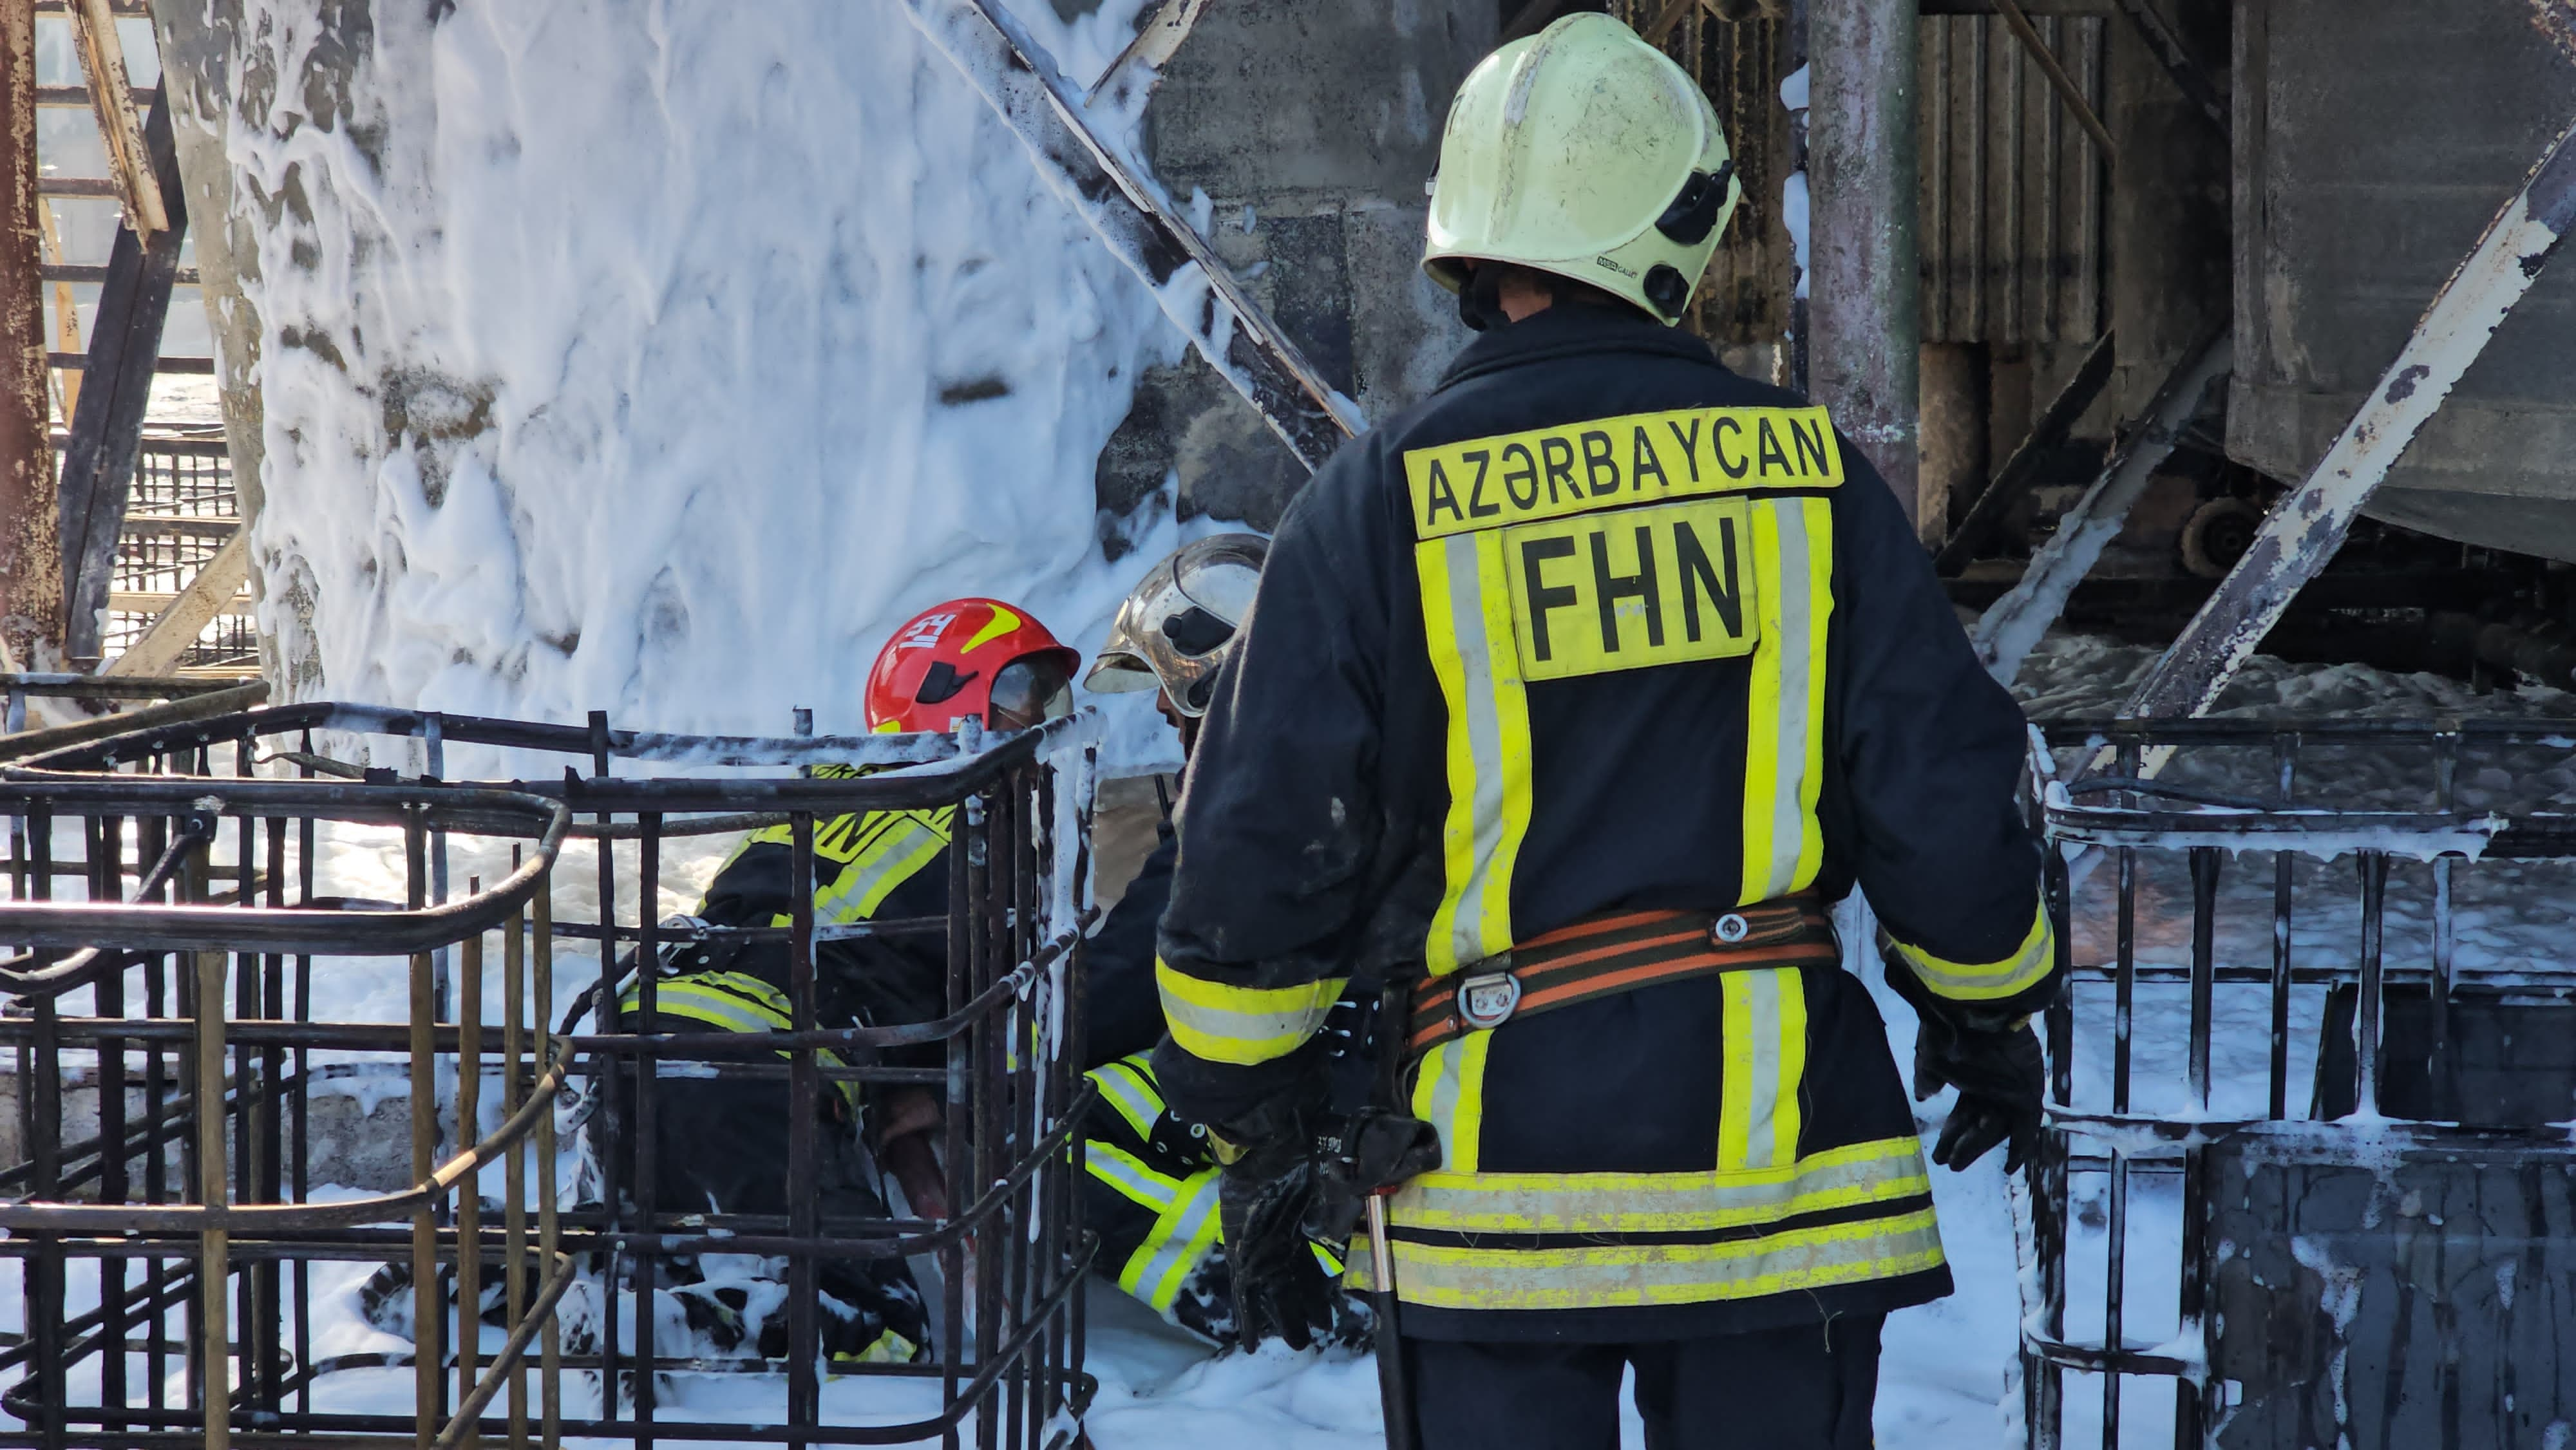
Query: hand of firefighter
point(2000, 1075)
point(1263, 1197)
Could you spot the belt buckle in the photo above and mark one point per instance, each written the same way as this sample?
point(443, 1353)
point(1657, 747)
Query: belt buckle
point(1488, 1000)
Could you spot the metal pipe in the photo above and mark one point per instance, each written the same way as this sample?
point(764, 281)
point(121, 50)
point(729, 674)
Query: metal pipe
point(1865, 310)
point(31, 570)
point(469, 1203)
point(2305, 529)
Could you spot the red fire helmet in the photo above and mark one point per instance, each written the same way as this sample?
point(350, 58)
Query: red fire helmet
point(970, 657)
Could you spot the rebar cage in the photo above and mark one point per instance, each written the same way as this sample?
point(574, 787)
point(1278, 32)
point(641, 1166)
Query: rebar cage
point(180, 899)
point(2306, 1178)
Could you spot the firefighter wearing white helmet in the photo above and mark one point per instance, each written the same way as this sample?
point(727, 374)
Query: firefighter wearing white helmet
point(1584, 153)
point(1573, 698)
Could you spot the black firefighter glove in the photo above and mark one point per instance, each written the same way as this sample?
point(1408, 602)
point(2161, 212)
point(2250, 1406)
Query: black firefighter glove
point(1265, 1193)
point(1994, 1062)
point(2000, 1076)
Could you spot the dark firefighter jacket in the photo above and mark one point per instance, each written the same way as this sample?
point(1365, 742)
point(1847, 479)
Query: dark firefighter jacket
point(1600, 626)
point(887, 866)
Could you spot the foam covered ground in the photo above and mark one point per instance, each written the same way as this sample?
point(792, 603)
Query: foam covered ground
point(661, 357)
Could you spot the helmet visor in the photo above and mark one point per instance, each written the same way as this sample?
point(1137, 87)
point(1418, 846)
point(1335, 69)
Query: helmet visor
point(1029, 691)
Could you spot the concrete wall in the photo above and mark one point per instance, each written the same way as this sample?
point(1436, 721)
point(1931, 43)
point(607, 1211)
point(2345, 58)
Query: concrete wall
point(1312, 126)
point(2375, 141)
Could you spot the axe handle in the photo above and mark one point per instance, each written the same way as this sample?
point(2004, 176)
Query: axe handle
point(1394, 1393)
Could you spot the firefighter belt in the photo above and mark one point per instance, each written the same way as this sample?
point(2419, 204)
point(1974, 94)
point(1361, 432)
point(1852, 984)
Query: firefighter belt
point(1617, 952)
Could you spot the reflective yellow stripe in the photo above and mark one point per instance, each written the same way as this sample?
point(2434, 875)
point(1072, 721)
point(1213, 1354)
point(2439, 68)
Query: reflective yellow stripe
point(735, 1002)
point(1128, 1086)
point(1128, 1174)
point(1180, 1242)
point(1793, 549)
point(908, 841)
point(1467, 622)
point(1242, 1025)
point(1987, 981)
point(1765, 1032)
point(1449, 1094)
point(1646, 1203)
point(731, 1000)
point(1614, 1276)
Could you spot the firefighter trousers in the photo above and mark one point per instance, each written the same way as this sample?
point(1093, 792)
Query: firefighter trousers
point(1811, 1387)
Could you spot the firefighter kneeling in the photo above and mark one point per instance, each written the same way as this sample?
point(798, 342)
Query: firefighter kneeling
point(1571, 698)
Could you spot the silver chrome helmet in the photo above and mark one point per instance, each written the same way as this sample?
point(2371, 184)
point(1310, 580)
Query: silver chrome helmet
point(1180, 620)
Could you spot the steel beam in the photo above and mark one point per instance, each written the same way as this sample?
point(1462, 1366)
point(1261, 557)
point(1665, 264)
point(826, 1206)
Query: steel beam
point(2006, 633)
point(2305, 529)
point(1197, 291)
point(31, 587)
point(107, 430)
point(1865, 308)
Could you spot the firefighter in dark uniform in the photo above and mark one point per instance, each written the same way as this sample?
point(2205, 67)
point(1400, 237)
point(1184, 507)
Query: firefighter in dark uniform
point(723, 1145)
point(1573, 695)
point(1152, 1179)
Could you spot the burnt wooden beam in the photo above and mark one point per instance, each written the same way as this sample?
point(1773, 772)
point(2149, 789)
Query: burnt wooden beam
point(2308, 525)
point(2021, 471)
point(107, 427)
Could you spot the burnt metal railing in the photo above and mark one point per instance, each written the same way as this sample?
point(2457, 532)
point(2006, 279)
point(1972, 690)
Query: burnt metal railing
point(221, 914)
point(2292, 1291)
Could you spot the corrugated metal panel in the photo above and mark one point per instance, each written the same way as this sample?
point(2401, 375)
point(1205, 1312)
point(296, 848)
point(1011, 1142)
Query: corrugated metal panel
point(1740, 63)
point(2012, 225)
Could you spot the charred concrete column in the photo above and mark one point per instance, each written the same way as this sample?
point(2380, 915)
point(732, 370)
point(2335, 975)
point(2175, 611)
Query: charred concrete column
point(31, 580)
point(1864, 305)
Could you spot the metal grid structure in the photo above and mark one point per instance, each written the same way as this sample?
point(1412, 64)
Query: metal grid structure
point(2338, 1260)
point(181, 510)
point(216, 917)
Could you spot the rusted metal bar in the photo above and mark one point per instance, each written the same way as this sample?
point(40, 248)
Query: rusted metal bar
point(111, 95)
point(196, 707)
point(1197, 291)
point(124, 350)
point(549, 1228)
point(1865, 311)
point(2021, 471)
point(74, 362)
point(2305, 529)
point(2007, 631)
point(514, 1169)
point(31, 585)
point(428, 1311)
point(2067, 90)
point(213, 1262)
point(469, 1204)
point(2189, 75)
